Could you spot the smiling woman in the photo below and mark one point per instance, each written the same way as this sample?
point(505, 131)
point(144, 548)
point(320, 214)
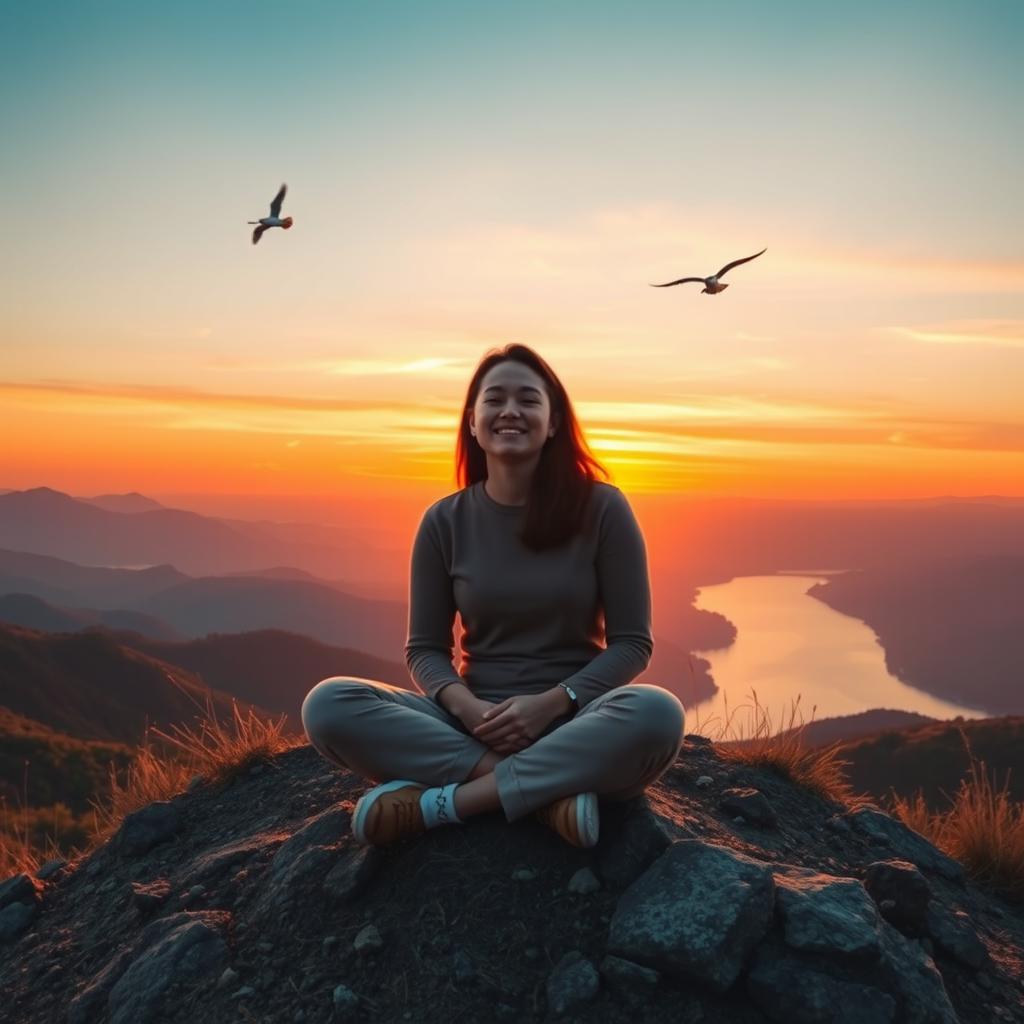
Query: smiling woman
point(547, 569)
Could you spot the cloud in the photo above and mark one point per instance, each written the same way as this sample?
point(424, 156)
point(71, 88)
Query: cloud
point(994, 333)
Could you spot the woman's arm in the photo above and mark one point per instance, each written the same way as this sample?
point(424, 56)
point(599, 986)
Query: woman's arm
point(625, 593)
point(430, 648)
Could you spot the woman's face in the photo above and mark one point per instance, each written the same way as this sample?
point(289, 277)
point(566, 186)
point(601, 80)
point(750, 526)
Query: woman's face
point(512, 417)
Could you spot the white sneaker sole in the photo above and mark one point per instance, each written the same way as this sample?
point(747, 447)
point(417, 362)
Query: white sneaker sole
point(366, 801)
point(588, 822)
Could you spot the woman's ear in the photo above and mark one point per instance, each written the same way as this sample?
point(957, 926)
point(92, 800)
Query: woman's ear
point(472, 422)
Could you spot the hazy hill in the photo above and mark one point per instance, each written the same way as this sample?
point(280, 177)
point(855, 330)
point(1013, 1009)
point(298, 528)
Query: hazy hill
point(92, 687)
point(955, 629)
point(65, 583)
point(271, 668)
point(241, 604)
point(49, 522)
point(285, 599)
point(133, 502)
point(35, 613)
point(61, 768)
point(934, 757)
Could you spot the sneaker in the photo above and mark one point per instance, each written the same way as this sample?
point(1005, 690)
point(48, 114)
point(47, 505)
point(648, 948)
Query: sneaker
point(389, 812)
point(574, 818)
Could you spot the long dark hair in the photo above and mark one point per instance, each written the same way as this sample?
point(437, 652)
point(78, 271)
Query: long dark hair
point(563, 479)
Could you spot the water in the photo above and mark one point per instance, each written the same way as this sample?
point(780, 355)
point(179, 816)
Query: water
point(788, 644)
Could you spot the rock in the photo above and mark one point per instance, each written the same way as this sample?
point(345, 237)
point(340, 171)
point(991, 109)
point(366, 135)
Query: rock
point(838, 824)
point(463, 967)
point(195, 782)
point(704, 781)
point(901, 892)
point(182, 955)
point(632, 981)
point(309, 850)
point(151, 896)
point(368, 941)
point(628, 847)
point(245, 992)
point(15, 919)
point(826, 914)
point(524, 875)
point(794, 989)
point(213, 863)
point(229, 977)
point(344, 1001)
point(584, 882)
point(352, 872)
point(573, 982)
point(531, 953)
point(87, 1006)
point(699, 910)
point(19, 889)
point(907, 844)
point(910, 973)
point(955, 936)
point(144, 829)
point(752, 804)
point(51, 868)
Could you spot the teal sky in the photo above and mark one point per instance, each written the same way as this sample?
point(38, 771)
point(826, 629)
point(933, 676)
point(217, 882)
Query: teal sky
point(468, 173)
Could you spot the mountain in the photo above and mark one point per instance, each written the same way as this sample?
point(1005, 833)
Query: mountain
point(35, 613)
point(130, 503)
point(271, 668)
point(44, 521)
point(253, 901)
point(194, 607)
point(955, 629)
point(89, 686)
point(64, 583)
point(934, 758)
point(241, 604)
point(60, 768)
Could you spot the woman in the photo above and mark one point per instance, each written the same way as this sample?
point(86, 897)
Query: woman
point(543, 562)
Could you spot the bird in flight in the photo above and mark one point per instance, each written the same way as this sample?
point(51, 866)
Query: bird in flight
point(712, 284)
point(275, 220)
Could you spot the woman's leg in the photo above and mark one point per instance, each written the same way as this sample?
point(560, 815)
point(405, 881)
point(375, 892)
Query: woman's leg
point(616, 746)
point(383, 732)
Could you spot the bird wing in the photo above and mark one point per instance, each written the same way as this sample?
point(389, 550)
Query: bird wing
point(681, 280)
point(257, 233)
point(275, 206)
point(736, 263)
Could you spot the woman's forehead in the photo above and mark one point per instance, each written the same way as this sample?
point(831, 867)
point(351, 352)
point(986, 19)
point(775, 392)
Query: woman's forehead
point(511, 375)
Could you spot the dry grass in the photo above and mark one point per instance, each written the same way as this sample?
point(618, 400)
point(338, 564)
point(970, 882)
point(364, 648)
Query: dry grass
point(983, 828)
point(163, 766)
point(749, 736)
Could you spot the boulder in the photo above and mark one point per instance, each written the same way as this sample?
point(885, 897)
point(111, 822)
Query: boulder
point(698, 911)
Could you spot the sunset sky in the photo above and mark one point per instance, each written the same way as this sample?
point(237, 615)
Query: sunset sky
point(467, 174)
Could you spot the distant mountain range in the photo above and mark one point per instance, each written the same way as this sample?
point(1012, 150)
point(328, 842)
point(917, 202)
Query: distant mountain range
point(167, 602)
point(127, 531)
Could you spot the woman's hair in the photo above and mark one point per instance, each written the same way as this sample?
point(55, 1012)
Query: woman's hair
point(563, 480)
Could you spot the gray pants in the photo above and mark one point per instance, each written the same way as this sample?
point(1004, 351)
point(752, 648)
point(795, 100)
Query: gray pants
point(615, 746)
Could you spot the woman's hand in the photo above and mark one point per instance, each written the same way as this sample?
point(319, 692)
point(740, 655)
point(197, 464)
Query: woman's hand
point(515, 723)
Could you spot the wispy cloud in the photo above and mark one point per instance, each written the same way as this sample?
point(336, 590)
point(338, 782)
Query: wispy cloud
point(995, 333)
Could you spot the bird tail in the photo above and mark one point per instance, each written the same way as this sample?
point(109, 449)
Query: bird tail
point(252, 222)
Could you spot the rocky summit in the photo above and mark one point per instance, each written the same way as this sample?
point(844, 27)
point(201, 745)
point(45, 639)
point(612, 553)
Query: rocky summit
point(727, 894)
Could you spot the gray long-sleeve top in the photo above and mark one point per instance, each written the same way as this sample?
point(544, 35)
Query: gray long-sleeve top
point(579, 614)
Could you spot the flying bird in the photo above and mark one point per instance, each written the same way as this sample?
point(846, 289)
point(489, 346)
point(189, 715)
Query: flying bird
point(275, 220)
point(712, 284)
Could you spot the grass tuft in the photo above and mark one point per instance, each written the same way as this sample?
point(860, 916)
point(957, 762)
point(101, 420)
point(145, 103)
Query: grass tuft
point(162, 766)
point(983, 828)
point(759, 743)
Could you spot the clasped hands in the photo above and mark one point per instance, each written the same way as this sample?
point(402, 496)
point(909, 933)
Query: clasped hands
point(513, 724)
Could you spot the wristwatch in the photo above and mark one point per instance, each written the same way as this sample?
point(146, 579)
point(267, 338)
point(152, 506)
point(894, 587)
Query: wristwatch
point(572, 695)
